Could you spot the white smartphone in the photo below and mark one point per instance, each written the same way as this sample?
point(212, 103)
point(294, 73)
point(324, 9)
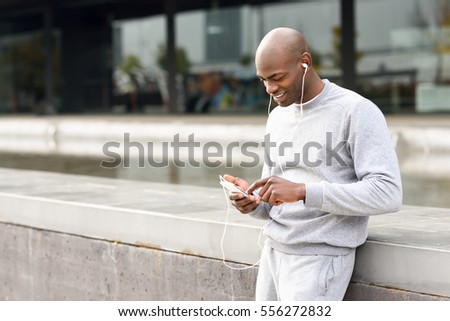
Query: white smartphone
point(230, 186)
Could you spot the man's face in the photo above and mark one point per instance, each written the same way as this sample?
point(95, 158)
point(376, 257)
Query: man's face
point(282, 77)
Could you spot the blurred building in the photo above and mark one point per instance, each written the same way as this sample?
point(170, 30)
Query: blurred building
point(71, 57)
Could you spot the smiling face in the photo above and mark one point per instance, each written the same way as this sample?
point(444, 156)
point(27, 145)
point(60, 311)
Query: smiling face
point(278, 62)
point(282, 78)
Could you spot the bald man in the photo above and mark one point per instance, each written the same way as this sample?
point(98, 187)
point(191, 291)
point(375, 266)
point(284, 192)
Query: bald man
point(330, 165)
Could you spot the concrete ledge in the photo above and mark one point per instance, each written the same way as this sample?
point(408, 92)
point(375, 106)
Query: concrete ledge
point(76, 237)
point(43, 265)
point(184, 219)
point(402, 268)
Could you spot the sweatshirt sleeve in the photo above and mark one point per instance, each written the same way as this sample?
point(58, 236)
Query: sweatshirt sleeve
point(378, 188)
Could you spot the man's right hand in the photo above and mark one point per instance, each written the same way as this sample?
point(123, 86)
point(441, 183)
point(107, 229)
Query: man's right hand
point(244, 204)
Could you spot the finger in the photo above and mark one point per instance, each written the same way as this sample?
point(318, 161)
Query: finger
point(229, 178)
point(265, 193)
point(273, 200)
point(247, 208)
point(241, 199)
point(266, 190)
point(254, 198)
point(238, 196)
point(257, 184)
point(234, 196)
point(236, 181)
point(242, 204)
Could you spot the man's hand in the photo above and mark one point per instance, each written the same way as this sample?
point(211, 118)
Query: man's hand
point(276, 190)
point(244, 204)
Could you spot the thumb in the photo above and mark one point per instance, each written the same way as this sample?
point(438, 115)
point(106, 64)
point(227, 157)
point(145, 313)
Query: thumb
point(229, 178)
point(236, 181)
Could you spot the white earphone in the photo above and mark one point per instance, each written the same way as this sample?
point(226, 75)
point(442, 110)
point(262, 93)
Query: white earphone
point(305, 66)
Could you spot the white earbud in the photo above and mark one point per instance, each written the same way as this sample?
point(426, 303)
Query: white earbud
point(305, 66)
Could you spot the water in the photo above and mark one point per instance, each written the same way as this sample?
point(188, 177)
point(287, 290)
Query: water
point(425, 175)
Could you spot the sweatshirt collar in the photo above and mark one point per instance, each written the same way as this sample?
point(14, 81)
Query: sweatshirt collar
point(318, 99)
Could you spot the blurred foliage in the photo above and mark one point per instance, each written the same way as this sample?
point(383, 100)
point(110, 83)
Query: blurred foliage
point(316, 59)
point(131, 66)
point(337, 46)
point(131, 63)
point(182, 60)
point(245, 59)
point(23, 66)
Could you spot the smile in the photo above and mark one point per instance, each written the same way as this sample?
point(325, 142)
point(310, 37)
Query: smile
point(279, 96)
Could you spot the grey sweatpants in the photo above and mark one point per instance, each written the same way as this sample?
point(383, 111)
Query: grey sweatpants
point(289, 277)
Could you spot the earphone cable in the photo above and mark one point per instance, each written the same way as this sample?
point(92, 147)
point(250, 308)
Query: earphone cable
point(270, 104)
point(222, 241)
point(276, 214)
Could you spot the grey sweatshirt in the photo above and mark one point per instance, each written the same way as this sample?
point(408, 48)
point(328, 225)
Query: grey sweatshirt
point(341, 149)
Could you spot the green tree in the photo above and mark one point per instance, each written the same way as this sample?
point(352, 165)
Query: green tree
point(132, 67)
point(246, 59)
point(337, 45)
point(316, 59)
point(131, 64)
point(24, 68)
point(182, 59)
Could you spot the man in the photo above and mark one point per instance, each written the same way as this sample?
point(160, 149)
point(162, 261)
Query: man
point(330, 164)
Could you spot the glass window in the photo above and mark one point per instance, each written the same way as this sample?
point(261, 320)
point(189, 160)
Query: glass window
point(403, 54)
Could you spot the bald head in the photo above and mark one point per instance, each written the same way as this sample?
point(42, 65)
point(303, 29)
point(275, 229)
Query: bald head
point(283, 63)
point(281, 42)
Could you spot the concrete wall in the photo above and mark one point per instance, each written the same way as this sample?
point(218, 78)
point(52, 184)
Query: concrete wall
point(43, 265)
point(65, 237)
